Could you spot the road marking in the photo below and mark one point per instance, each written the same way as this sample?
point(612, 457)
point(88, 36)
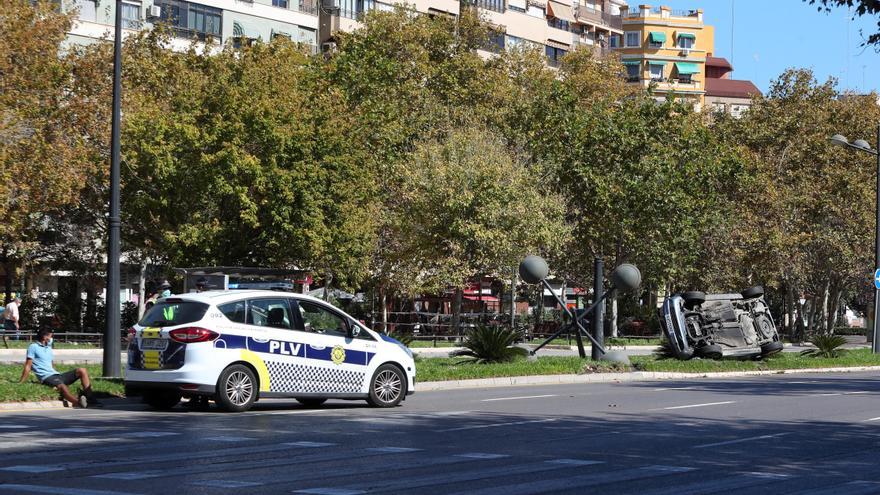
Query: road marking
point(57, 490)
point(857, 392)
point(873, 419)
point(495, 425)
point(575, 462)
point(308, 444)
point(481, 455)
point(520, 398)
point(225, 483)
point(75, 430)
point(393, 450)
point(149, 434)
point(673, 388)
point(228, 439)
point(773, 476)
point(25, 468)
point(740, 440)
point(330, 491)
point(833, 394)
point(127, 476)
point(697, 405)
point(13, 427)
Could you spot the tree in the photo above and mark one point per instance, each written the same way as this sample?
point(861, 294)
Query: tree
point(862, 8)
point(469, 207)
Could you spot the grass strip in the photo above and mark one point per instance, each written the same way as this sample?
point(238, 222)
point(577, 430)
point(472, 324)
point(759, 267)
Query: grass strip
point(32, 390)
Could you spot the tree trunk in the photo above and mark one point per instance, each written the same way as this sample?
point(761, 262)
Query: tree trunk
point(834, 309)
point(9, 268)
point(513, 300)
point(789, 311)
point(456, 312)
point(824, 315)
point(614, 317)
point(327, 280)
point(142, 288)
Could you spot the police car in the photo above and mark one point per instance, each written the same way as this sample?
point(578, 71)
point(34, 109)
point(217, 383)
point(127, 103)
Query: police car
point(240, 346)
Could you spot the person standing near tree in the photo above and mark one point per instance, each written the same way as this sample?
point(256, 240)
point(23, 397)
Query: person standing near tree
point(10, 317)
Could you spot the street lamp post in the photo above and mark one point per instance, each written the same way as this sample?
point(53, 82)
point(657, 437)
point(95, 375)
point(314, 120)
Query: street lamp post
point(862, 145)
point(112, 333)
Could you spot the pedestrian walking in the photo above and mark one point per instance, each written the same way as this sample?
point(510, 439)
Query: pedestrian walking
point(10, 317)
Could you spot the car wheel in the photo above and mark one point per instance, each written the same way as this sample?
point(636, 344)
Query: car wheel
point(711, 351)
point(771, 348)
point(765, 327)
point(753, 292)
point(693, 298)
point(237, 388)
point(161, 399)
point(387, 387)
point(310, 401)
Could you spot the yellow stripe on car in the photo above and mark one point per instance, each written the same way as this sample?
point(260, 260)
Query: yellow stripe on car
point(252, 358)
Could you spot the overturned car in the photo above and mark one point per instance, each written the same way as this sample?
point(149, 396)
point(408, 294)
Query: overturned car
point(714, 326)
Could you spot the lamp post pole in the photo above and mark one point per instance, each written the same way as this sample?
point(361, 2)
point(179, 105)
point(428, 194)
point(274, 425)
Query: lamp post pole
point(862, 145)
point(112, 334)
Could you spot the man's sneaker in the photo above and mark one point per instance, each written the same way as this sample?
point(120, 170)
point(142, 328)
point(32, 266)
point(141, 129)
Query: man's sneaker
point(83, 401)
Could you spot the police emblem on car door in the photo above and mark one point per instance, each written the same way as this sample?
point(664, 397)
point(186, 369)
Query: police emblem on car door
point(340, 358)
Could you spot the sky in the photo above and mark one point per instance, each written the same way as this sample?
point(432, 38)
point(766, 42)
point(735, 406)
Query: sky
point(770, 36)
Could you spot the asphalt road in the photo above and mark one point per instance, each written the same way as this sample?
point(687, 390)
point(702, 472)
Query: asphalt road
point(786, 434)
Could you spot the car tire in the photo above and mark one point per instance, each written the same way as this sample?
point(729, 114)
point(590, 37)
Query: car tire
point(711, 351)
point(237, 388)
point(162, 400)
point(771, 348)
point(764, 327)
point(388, 386)
point(753, 292)
point(311, 401)
point(693, 298)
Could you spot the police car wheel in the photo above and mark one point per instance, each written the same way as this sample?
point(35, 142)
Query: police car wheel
point(237, 388)
point(387, 387)
point(310, 401)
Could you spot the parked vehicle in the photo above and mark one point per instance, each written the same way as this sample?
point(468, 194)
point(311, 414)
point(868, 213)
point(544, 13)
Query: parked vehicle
point(714, 326)
point(237, 347)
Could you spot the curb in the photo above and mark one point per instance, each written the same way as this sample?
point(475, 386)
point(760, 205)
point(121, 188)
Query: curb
point(634, 376)
point(26, 406)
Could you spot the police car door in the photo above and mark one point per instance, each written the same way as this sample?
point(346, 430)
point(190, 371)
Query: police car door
point(280, 347)
point(340, 361)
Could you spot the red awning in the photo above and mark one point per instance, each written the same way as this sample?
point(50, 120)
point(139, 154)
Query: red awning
point(487, 299)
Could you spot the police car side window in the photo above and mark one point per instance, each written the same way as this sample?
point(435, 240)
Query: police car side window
point(234, 311)
point(319, 320)
point(274, 313)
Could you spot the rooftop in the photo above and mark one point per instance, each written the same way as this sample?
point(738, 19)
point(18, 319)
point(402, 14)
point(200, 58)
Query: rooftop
point(731, 88)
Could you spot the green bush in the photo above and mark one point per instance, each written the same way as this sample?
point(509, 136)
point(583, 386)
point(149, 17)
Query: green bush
point(490, 344)
point(850, 331)
point(827, 346)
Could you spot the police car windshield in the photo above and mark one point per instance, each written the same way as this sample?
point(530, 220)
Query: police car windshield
point(168, 314)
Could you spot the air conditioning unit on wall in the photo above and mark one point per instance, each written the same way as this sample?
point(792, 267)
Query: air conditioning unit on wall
point(155, 11)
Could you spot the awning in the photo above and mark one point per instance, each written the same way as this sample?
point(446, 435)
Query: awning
point(687, 35)
point(558, 44)
point(560, 11)
point(687, 68)
point(241, 30)
point(486, 299)
point(656, 62)
point(280, 33)
point(657, 37)
point(632, 62)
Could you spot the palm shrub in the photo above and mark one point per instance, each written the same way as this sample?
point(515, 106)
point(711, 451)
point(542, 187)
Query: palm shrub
point(490, 344)
point(664, 350)
point(827, 346)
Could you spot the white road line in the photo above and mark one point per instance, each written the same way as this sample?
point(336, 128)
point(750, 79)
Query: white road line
point(663, 389)
point(392, 450)
point(225, 483)
point(127, 476)
point(740, 440)
point(574, 462)
point(857, 392)
point(308, 444)
point(697, 405)
point(228, 439)
point(832, 394)
point(24, 468)
point(872, 419)
point(13, 427)
point(75, 430)
point(149, 434)
point(330, 491)
point(519, 398)
point(56, 490)
point(481, 455)
point(495, 425)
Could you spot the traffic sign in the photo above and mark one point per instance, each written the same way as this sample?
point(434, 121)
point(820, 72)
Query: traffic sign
point(877, 278)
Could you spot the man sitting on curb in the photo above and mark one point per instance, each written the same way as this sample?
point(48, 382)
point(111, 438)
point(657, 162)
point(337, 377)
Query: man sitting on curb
point(39, 358)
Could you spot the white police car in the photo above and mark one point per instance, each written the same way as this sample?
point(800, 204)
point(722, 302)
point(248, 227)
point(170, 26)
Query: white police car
point(239, 346)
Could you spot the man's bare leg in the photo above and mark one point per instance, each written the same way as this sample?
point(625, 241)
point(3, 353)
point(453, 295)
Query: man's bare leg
point(83, 375)
point(67, 395)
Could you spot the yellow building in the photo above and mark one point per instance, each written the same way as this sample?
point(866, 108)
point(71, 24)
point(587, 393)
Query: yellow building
point(666, 49)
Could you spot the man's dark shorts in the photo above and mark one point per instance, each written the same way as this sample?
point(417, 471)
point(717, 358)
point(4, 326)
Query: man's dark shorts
point(65, 378)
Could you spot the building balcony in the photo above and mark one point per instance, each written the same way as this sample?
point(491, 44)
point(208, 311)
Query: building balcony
point(591, 16)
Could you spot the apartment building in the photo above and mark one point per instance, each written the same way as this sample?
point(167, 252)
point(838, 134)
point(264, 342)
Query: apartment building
point(724, 94)
point(666, 50)
point(220, 20)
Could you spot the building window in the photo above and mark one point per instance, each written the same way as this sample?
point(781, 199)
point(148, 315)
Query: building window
point(656, 72)
point(554, 55)
point(191, 19)
point(685, 78)
point(685, 42)
point(559, 24)
point(495, 42)
point(736, 111)
point(280, 3)
point(614, 41)
point(633, 72)
point(354, 9)
point(131, 16)
point(494, 5)
point(536, 11)
point(87, 10)
point(633, 39)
